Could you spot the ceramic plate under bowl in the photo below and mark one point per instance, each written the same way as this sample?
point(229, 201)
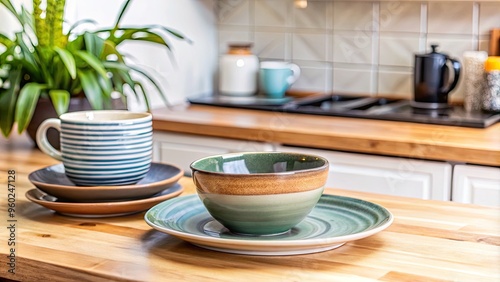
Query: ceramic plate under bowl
point(101, 209)
point(334, 221)
point(52, 180)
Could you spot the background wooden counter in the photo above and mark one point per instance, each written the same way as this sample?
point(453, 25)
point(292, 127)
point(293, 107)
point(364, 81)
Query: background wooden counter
point(428, 241)
point(433, 142)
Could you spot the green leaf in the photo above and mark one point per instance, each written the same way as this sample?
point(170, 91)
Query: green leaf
point(26, 104)
point(91, 88)
point(28, 55)
point(13, 11)
point(110, 49)
point(146, 98)
point(145, 75)
point(75, 25)
point(120, 15)
point(5, 41)
point(68, 60)
point(60, 100)
point(8, 100)
point(93, 62)
point(27, 18)
point(93, 43)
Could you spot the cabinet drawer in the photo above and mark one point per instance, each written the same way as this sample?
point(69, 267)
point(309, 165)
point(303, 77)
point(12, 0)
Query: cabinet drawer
point(476, 185)
point(385, 175)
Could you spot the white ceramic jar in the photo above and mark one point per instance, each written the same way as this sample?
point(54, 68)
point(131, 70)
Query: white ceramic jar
point(238, 71)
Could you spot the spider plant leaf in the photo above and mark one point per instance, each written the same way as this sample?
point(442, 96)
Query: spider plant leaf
point(8, 99)
point(167, 30)
point(93, 62)
point(91, 88)
point(93, 43)
point(26, 104)
point(12, 10)
point(68, 60)
point(27, 18)
point(123, 71)
point(60, 100)
point(117, 81)
point(120, 15)
point(5, 41)
point(155, 84)
point(146, 98)
point(29, 58)
point(80, 22)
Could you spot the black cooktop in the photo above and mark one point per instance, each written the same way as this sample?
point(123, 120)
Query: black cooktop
point(357, 107)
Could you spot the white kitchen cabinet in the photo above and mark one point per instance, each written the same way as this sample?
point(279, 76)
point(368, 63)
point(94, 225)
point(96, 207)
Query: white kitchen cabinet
point(351, 171)
point(183, 149)
point(476, 184)
point(385, 175)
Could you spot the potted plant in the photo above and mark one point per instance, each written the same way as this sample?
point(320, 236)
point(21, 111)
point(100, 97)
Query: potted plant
point(43, 62)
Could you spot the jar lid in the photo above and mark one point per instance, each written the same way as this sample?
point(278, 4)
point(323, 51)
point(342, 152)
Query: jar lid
point(492, 63)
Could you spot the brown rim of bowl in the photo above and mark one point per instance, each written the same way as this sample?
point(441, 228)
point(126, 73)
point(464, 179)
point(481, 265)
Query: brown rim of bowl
point(263, 173)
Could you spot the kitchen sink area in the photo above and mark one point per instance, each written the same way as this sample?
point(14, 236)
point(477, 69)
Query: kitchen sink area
point(358, 107)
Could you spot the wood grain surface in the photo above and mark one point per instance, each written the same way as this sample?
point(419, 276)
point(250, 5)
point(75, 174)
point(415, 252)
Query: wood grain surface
point(428, 241)
point(413, 140)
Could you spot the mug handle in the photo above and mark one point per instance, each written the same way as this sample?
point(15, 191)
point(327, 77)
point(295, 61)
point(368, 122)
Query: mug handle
point(296, 73)
point(41, 137)
point(456, 74)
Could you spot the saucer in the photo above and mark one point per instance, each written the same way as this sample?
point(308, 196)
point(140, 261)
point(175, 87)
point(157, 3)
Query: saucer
point(334, 221)
point(101, 209)
point(52, 180)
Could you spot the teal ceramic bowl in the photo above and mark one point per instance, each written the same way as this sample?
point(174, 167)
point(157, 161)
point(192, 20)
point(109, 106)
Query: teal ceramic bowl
point(260, 193)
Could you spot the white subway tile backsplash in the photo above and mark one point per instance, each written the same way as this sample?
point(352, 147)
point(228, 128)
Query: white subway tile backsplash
point(400, 16)
point(454, 46)
point(271, 45)
point(234, 12)
point(398, 49)
point(353, 80)
point(353, 16)
point(272, 13)
point(306, 46)
point(371, 44)
point(314, 79)
point(489, 17)
point(229, 35)
point(395, 83)
point(355, 49)
point(314, 16)
point(450, 17)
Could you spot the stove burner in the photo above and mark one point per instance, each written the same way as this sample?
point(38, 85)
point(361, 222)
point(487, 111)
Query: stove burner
point(361, 107)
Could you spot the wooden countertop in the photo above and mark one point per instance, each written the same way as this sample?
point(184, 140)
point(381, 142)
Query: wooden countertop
point(428, 241)
point(422, 141)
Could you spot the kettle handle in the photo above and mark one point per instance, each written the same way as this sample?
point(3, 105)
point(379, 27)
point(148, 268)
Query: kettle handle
point(456, 67)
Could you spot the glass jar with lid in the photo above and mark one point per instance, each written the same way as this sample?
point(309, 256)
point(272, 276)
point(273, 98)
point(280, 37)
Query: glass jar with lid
point(238, 71)
point(491, 95)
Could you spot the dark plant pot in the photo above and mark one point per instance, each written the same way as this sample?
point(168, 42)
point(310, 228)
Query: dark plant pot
point(45, 110)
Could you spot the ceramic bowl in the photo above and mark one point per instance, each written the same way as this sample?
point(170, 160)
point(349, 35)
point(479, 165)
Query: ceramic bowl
point(260, 193)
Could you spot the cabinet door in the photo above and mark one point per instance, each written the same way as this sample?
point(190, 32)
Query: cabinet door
point(183, 149)
point(476, 184)
point(385, 175)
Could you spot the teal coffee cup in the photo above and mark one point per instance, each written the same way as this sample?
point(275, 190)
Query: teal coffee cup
point(277, 77)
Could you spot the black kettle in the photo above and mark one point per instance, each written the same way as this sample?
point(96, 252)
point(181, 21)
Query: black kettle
point(432, 79)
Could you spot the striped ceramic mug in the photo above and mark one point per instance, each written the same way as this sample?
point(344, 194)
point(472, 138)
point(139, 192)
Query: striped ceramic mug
point(101, 148)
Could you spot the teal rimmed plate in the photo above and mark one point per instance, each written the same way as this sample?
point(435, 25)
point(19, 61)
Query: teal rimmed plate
point(334, 221)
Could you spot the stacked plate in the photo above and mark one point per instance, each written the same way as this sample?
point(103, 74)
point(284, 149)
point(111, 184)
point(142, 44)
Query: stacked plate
point(57, 192)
